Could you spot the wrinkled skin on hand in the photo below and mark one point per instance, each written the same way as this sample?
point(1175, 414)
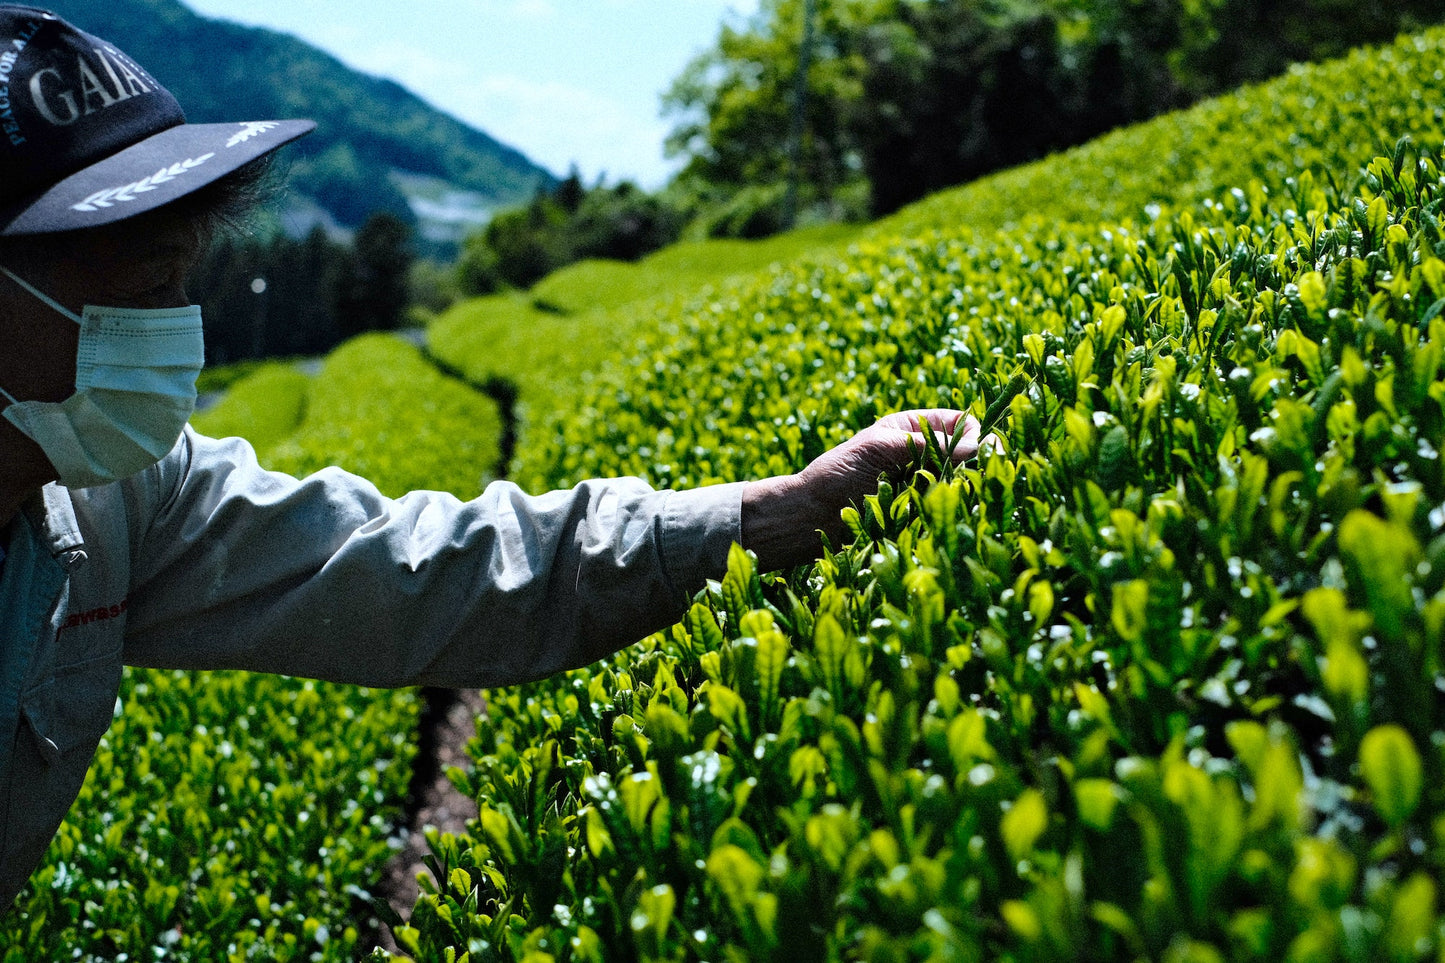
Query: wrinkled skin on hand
point(782, 515)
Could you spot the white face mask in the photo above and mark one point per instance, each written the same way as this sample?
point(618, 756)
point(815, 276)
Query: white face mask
point(135, 388)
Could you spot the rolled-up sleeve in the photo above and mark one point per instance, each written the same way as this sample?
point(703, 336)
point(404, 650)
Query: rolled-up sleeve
point(327, 578)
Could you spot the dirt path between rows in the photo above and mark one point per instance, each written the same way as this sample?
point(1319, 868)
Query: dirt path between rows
point(448, 722)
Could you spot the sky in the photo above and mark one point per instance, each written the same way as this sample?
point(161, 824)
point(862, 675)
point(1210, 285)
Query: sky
point(564, 81)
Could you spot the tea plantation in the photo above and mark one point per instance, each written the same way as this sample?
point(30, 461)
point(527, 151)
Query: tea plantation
point(1160, 679)
point(543, 340)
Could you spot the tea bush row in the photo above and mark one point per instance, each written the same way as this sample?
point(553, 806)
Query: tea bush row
point(549, 340)
point(1161, 680)
point(379, 409)
point(227, 817)
point(1323, 117)
point(266, 406)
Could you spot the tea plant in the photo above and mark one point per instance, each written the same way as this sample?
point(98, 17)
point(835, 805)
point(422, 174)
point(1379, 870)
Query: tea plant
point(1162, 679)
point(265, 406)
point(380, 410)
point(227, 817)
point(548, 340)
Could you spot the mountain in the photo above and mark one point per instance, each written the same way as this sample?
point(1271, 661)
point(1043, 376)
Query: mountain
point(376, 145)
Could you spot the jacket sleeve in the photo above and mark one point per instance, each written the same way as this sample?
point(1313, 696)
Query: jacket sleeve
point(324, 577)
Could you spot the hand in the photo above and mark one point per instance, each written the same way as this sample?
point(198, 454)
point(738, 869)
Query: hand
point(783, 515)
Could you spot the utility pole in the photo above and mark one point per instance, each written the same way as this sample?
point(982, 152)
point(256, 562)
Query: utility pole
point(800, 116)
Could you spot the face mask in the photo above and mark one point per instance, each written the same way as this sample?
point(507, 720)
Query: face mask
point(135, 388)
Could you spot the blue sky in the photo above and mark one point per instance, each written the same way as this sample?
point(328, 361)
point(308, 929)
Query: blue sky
point(563, 81)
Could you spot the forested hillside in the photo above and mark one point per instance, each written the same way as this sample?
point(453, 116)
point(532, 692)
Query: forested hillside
point(368, 128)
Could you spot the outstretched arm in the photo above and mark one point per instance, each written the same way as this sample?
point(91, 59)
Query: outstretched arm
point(236, 567)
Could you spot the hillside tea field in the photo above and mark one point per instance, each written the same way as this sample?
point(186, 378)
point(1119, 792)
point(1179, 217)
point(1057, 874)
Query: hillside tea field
point(378, 409)
point(1159, 680)
point(548, 341)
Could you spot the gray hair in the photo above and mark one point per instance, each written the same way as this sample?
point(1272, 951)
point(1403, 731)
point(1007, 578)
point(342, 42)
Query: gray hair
point(221, 208)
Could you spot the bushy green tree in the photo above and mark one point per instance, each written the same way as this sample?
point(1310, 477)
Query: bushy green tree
point(520, 247)
point(529, 242)
point(954, 90)
point(623, 223)
point(908, 96)
point(732, 104)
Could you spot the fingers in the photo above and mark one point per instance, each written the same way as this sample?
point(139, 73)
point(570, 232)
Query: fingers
point(939, 419)
point(954, 431)
point(963, 448)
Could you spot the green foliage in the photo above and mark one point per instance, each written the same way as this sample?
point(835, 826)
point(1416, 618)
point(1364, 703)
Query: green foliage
point(274, 296)
point(219, 378)
point(585, 284)
point(732, 105)
point(265, 406)
point(517, 248)
point(244, 817)
point(379, 410)
point(622, 222)
point(549, 341)
point(522, 246)
point(227, 817)
point(1157, 680)
point(686, 267)
point(1332, 114)
point(905, 97)
point(373, 289)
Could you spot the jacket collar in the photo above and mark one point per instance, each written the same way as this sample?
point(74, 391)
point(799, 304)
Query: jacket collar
point(52, 516)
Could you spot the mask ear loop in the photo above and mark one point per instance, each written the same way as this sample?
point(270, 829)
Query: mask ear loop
point(41, 295)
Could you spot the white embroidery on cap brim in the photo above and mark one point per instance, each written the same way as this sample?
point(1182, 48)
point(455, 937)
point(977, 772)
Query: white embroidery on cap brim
point(127, 192)
point(253, 128)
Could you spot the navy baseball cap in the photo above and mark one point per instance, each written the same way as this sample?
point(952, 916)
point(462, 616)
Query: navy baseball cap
point(88, 137)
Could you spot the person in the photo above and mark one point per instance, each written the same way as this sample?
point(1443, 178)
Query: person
point(126, 538)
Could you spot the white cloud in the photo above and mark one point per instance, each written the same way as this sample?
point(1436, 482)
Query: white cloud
point(552, 122)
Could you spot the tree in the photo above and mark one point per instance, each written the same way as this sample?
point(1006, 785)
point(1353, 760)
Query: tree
point(530, 242)
point(954, 90)
point(271, 295)
point(623, 223)
point(372, 293)
point(909, 96)
point(732, 104)
point(520, 247)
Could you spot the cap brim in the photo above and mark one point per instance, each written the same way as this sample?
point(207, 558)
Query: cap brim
point(147, 175)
